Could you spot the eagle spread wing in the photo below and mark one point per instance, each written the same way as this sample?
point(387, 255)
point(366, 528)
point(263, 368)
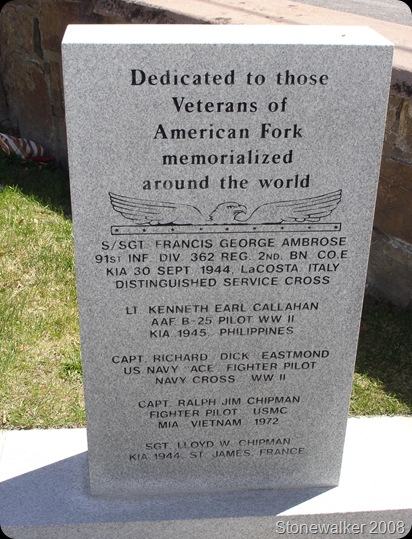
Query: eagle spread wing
point(307, 210)
point(150, 212)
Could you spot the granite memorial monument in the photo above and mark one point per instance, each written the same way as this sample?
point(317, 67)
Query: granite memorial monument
point(223, 184)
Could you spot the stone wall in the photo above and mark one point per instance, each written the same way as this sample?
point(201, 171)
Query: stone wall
point(31, 101)
point(30, 66)
point(390, 263)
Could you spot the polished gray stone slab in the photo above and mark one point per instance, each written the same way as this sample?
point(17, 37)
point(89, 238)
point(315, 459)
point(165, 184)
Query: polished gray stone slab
point(223, 183)
point(44, 493)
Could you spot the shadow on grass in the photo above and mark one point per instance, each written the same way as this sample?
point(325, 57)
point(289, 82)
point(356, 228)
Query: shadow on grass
point(385, 347)
point(46, 183)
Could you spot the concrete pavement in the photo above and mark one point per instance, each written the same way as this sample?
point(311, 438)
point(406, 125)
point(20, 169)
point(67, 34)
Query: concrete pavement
point(386, 10)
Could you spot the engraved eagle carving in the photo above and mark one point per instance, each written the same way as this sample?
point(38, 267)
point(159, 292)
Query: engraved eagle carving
point(151, 213)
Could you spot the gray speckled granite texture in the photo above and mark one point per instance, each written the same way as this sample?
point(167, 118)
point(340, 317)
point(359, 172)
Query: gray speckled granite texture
point(223, 183)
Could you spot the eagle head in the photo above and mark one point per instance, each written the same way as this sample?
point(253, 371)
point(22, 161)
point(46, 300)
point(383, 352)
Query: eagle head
point(227, 212)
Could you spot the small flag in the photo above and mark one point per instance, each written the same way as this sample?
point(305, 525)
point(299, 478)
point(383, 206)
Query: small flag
point(24, 148)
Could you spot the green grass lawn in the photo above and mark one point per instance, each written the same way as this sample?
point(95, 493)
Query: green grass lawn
point(40, 369)
point(40, 373)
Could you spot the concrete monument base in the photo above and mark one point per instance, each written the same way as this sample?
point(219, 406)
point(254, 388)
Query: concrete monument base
point(44, 494)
